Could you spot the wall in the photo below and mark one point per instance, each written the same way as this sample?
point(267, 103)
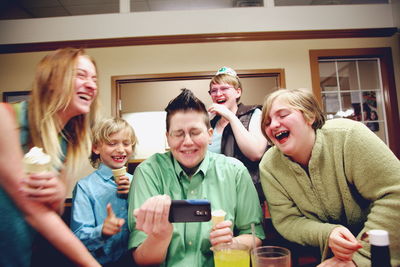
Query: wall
point(140, 97)
point(251, 19)
point(17, 70)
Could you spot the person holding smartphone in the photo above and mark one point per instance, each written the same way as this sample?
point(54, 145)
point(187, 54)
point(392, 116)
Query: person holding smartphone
point(189, 171)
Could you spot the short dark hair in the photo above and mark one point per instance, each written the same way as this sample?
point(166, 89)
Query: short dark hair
point(186, 101)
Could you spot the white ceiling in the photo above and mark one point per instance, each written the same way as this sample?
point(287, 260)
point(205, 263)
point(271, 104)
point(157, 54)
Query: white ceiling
point(17, 9)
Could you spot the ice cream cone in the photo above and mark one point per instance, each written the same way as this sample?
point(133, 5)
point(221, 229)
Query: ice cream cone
point(118, 173)
point(217, 216)
point(36, 161)
point(36, 168)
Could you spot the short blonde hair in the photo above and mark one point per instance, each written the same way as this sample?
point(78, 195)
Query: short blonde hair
point(228, 79)
point(300, 99)
point(102, 132)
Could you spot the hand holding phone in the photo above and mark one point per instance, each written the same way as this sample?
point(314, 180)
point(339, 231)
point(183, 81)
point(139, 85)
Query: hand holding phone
point(191, 210)
point(152, 217)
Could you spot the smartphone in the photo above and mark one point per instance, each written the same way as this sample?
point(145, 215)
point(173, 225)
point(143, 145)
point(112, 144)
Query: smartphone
point(191, 210)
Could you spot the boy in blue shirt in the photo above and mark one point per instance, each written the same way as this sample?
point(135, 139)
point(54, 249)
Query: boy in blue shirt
point(99, 205)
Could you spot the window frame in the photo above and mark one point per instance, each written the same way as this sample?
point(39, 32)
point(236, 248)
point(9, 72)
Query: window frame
point(388, 82)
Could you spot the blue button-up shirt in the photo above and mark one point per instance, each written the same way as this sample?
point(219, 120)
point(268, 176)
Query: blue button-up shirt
point(90, 198)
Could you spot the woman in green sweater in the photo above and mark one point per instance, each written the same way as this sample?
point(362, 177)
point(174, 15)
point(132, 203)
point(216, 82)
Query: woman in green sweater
point(327, 183)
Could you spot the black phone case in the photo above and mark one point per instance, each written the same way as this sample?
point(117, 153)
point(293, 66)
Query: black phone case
point(190, 211)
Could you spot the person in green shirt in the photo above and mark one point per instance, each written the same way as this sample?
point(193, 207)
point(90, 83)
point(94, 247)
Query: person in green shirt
point(189, 171)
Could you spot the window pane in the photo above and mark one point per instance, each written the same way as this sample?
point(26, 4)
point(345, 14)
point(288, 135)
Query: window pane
point(331, 103)
point(348, 77)
point(346, 102)
point(369, 74)
point(373, 105)
point(328, 78)
point(351, 107)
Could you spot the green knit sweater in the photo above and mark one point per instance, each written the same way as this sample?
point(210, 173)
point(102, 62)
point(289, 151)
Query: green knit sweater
point(353, 180)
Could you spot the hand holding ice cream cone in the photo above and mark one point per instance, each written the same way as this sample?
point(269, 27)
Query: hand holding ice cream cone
point(42, 184)
point(36, 161)
point(122, 181)
point(221, 231)
point(117, 173)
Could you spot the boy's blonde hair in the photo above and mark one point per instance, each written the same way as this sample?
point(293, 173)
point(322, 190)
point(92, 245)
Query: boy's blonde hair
point(52, 91)
point(300, 99)
point(102, 131)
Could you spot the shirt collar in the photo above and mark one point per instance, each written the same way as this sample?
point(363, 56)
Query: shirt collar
point(104, 172)
point(202, 168)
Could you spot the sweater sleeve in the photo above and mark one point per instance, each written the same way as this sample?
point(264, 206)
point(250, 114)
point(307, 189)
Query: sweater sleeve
point(375, 172)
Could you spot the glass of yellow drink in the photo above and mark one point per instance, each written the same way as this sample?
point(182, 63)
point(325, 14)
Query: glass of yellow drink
point(231, 255)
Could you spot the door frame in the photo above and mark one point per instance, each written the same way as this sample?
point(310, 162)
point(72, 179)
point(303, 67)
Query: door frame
point(117, 81)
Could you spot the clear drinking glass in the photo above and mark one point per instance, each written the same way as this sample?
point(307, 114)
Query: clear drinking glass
point(231, 255)
point(270, 256)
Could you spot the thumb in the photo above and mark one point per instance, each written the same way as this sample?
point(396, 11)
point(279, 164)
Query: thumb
point(110, 212)
point(121, 222)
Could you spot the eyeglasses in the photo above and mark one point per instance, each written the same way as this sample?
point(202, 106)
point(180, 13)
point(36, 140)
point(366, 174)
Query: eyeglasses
point(180, 135)
point(223, 90)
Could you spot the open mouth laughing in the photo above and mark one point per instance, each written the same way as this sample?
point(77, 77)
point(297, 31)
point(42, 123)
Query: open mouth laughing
point(282, 136)
point(120, 158)
point(85, 96)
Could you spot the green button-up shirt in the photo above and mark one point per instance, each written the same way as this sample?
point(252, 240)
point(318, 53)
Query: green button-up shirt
point(224, 181)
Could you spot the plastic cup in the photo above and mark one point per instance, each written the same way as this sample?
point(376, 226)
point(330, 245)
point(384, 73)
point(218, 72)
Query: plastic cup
point(231, 255)
point(270, 256)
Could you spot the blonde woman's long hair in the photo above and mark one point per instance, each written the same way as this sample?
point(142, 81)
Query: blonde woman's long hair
point(52, 92)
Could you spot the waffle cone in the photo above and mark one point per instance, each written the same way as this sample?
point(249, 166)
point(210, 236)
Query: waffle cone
point(217, 216)
point(118, 173)
point(36, 168)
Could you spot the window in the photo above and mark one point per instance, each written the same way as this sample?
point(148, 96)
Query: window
point(358, 84)
point(352, 88)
